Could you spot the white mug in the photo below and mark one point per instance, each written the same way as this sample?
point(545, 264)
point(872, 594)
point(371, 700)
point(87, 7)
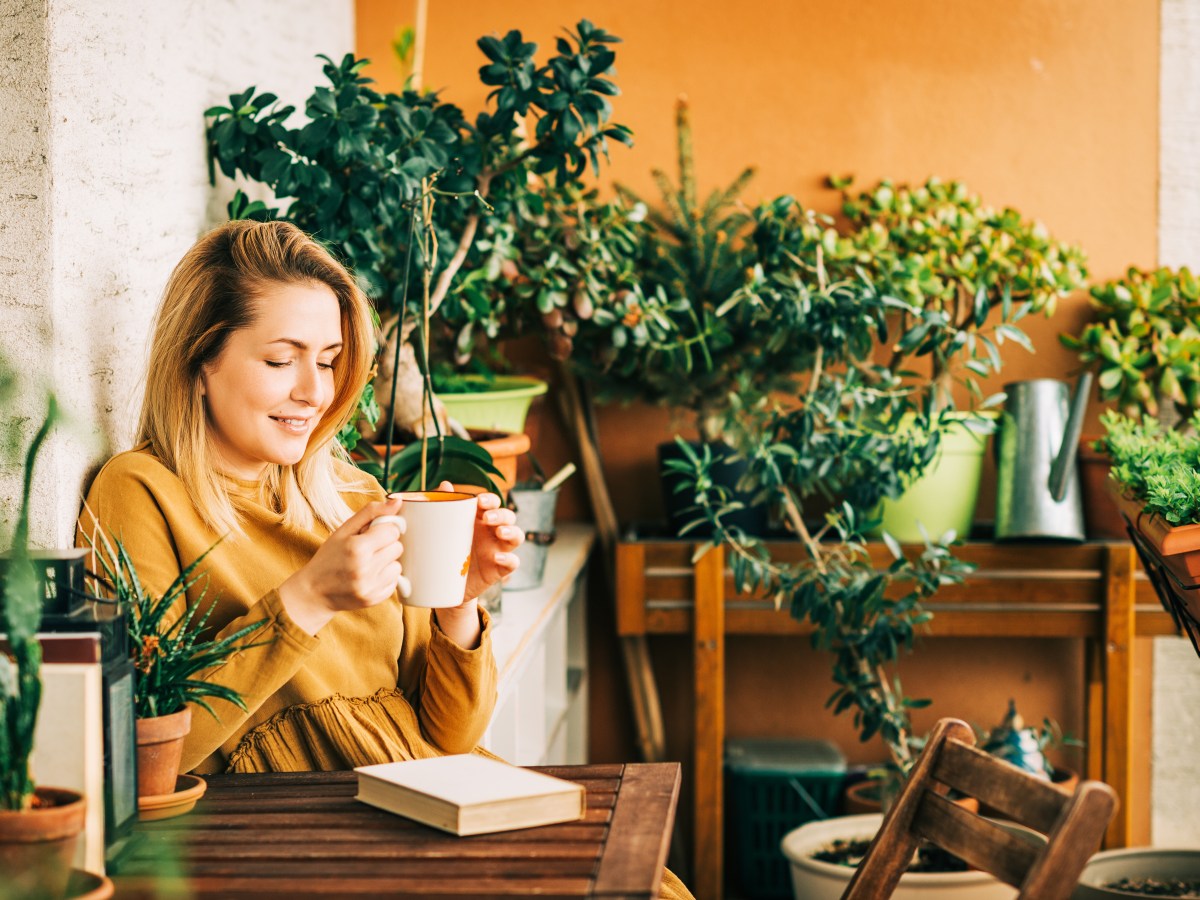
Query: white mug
point(439, 530)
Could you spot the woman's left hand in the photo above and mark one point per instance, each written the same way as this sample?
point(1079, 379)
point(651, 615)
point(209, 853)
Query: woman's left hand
point(496, 537)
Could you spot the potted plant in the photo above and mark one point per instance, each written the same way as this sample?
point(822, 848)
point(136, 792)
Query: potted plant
point(1025, 747)
point(1155, 480)
point(962, 275)
point(1144, 342)
point(39, 826)
point(368, 173)
point(861, 428)
point(171, 655)
point(697, 269)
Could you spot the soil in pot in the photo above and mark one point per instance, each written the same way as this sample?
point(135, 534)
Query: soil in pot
point(1155, 887)
point(928, 859)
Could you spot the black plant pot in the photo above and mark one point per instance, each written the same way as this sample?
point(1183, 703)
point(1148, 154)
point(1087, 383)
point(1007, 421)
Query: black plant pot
point(753, 519)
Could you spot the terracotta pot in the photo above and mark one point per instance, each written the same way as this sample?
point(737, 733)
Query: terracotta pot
point(1101, 516)
point(1179, 546)
point(862, 797)
point(504, 448)
point(160, 750)
point(37, 847)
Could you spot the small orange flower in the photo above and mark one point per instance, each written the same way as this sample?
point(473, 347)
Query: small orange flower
point(150, 649)
point(632, 317)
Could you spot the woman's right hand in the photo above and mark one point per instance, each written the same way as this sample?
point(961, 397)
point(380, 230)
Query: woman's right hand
point(357, 567)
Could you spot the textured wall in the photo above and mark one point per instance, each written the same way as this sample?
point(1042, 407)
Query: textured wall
point(1176, 784)
point(123, 87)
point(24, 211)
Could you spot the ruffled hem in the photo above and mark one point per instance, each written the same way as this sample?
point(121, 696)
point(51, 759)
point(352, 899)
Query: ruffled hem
point(334, 733)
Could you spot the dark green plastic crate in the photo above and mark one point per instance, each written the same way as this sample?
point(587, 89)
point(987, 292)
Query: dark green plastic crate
point(775, 785)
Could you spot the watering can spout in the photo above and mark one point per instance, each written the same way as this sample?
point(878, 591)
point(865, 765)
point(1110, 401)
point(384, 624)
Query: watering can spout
point(1064, 462)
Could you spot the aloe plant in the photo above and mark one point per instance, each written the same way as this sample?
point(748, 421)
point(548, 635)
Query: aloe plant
point(170, 657)
point(21, 615)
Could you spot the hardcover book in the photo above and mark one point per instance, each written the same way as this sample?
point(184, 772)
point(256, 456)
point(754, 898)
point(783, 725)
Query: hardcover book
point(469, 794)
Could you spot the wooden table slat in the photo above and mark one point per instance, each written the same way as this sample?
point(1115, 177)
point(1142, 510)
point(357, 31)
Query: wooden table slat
point(337, 885)
point(636, 845)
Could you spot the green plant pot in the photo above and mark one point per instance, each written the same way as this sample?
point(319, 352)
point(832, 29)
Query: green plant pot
point(943, 499)
point(502, 407)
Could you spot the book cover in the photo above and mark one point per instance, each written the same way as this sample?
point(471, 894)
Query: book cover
point(68, 740)
point(468, 794)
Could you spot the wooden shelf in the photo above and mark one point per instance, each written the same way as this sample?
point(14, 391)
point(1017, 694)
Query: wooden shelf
point(1093, 591)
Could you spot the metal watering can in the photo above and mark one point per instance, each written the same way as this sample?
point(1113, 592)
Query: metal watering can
point(1037, 485)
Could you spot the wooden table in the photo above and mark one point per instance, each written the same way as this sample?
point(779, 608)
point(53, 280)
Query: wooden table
point(305, 835)
point(1092, 591)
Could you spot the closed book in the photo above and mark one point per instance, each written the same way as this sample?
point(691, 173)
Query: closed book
point(469, 794)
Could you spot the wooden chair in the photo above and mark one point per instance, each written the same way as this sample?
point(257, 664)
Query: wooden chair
point(1072, 823)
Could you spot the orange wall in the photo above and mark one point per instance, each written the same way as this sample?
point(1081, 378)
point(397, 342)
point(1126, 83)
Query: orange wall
point(1049, 106)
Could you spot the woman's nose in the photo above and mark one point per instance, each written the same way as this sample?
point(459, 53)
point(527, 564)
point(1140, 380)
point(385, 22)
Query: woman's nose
point(310, 385)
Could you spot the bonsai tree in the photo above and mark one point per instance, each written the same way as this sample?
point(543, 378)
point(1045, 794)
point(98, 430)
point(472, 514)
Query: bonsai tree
point(865, 307)
point(1144, 342)
point(398, 185)
point(21, 616)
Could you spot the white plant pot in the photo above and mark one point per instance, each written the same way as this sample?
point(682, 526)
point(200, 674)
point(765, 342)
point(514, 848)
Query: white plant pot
point(1134, 862)
point(815, 880)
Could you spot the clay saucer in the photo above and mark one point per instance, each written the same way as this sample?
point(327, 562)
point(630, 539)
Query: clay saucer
point(188, 789)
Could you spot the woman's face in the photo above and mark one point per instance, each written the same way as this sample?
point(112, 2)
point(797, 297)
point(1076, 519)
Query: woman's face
point(267, 390)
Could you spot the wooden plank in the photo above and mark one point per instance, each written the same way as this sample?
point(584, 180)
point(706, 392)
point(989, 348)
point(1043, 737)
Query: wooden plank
point(249, 887)
point(708, 661)
point(977, 841)
point(1006, 788)
point(1094, 689)
point(631, 589)
point(1016, 622)
point(1118, 710)
point(640, 834)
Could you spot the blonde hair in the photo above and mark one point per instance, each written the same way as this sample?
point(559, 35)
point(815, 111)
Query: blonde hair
point(211, 294)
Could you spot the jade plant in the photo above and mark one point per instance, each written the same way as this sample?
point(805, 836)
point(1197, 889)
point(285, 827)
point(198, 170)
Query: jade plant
point(961, 274)
point(399, 185)
point(20, 618)
point(1144, 341)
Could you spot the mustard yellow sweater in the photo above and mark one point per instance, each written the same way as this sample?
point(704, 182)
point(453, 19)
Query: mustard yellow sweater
point(373, 685)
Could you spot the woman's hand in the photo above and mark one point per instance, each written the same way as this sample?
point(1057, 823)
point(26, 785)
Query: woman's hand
point(496, 537)
point(356, 567)
point(492, 558)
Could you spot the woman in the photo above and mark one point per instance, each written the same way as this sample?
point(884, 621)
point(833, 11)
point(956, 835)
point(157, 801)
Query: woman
point(260, 350)
point(261, 347)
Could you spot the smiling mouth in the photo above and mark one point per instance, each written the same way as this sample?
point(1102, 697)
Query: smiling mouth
point(297, 426)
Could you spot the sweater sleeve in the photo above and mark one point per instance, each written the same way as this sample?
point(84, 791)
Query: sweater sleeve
point(452, 689)
point(135, 508)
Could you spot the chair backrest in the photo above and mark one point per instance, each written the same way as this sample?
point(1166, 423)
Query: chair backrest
point(1073, 823)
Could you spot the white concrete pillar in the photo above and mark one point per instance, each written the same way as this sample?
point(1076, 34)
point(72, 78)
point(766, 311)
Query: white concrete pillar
point(1176, 729)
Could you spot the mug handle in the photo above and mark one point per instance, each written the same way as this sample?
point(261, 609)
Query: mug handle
point(402, 583)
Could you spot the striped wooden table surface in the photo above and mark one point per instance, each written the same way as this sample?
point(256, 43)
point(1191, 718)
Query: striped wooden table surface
point(306, 835)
